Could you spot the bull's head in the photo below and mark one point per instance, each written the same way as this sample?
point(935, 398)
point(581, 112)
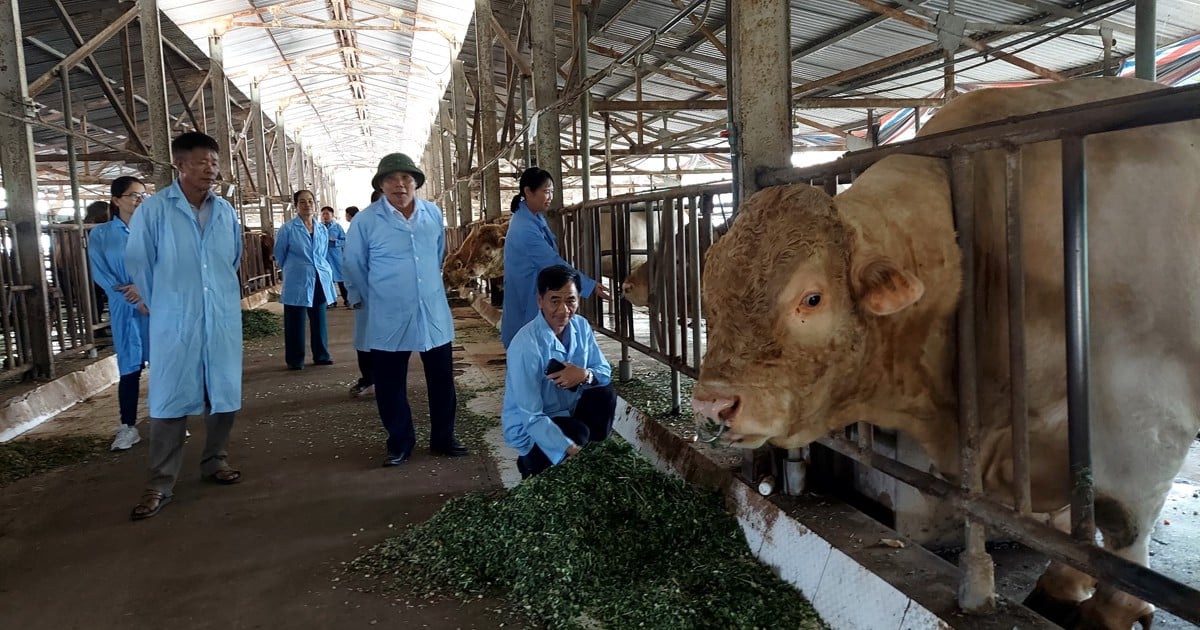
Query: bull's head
point(788, 292)
point(636, 287)
point(454, 273)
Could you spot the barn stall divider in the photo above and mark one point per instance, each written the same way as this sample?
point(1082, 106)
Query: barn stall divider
point(673, 335)
point(75, 314)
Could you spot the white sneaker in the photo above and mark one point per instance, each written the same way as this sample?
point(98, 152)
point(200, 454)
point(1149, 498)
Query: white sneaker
point(127, 436)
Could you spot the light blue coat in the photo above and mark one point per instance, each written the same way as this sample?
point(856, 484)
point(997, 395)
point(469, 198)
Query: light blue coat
point(302, 259)
point(530, 399)
point(337, 242)
point(130, 329)
point(529, 247)
point(393, 268)
point(190, 282)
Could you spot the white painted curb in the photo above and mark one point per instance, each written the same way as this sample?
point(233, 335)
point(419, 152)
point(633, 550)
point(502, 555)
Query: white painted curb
point(39, 405)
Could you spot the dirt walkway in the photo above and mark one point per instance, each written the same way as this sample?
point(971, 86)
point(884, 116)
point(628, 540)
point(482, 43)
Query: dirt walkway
point(263, 554)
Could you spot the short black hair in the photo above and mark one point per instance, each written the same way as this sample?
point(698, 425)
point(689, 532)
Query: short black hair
point(97, 212)
point(121, 185)
point(555, 277)
point(185, 142)
point(351, 211)
point(296, 195)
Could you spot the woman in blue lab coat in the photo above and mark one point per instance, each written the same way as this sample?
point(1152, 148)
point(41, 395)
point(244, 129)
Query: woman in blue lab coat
point(300, 251)
point(127, 311)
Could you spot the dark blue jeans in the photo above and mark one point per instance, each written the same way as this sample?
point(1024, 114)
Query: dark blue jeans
point(390, 370)
point(127, 396)
point(592, 422)
point(293, 330)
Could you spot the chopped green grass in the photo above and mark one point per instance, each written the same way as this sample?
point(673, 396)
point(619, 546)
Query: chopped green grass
point(260, 323)
point(602, 540)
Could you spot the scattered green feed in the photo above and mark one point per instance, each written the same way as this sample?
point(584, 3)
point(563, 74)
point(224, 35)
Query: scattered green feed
point(259, 323)
point(24, 458)
point(603, 540)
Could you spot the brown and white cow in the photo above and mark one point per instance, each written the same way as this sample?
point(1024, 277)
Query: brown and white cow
point(481, 255)
point(826, 311)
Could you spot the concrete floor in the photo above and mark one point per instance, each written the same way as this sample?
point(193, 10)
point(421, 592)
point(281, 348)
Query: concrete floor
point(267, 553)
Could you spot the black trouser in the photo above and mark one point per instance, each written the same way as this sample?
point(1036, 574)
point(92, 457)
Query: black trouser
point(390, 370)
point(127, 396)
point(364, 368)
point(293, 330)
point(345, 296)
point(592, 422)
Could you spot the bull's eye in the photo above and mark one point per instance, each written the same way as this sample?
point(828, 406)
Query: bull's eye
point(812, 300)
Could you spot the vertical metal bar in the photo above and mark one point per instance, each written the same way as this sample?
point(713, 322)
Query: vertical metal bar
point(976, 593)
point(669, 293)
point(1018, 406)
point(759, 81)
point(220, 86)
point(283, 174)
point(694, 306)
point(528, 150)
point(585, 106)
point(85, 282)
point(1145, 42)
point(1075, 266)
point(156, 93)
point(489, 176)
point(448, 164)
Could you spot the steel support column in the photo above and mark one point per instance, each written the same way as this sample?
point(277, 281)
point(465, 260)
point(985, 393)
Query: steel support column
point(489, 146)
point(156, 93)
point(1145, 42)
point(458, 91)
point(760, 90)
point(545, 93)
point(220, 95)
point(266, 214)
point(20, 186)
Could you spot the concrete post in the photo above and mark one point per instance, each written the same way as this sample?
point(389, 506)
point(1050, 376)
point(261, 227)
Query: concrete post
point(759, 90)
point(259, 138)
point(545, 92)
point(444, 142)
point(282, 166)
point(156, 93)
point(490, 183)
point(20, 186)
point(220, 91)
point(458, 90)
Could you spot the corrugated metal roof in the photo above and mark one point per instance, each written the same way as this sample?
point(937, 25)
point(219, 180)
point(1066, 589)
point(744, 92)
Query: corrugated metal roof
point(357, 89)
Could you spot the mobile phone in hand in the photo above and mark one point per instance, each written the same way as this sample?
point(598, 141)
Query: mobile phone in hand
point(557, 366)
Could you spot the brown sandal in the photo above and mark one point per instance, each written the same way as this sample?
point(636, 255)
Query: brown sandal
point(225, 476)
point(151, 504)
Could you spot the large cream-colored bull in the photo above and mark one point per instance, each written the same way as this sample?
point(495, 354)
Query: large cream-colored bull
point(826, 311)
point(481, 255)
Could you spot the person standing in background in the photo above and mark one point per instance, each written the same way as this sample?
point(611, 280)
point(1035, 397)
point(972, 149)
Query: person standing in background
point(365, 386)
point(128, 313)
point(337, 241)
point(300, 251)
point(530, 247)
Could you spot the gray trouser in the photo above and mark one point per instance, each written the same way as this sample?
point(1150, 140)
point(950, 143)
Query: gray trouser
point(167, 436)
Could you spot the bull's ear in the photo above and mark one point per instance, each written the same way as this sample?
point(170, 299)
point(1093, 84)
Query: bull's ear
point(883, 288)
point(502, 240)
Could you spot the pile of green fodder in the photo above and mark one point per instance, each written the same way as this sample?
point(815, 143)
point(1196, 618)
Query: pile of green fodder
point(24, 458)
point(602, 540)
point(259, 323)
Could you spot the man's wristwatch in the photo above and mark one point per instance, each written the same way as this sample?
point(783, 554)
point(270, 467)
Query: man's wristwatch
point(589, 377)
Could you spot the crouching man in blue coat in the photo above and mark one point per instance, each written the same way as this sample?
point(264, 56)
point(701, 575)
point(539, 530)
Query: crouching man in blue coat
point(558, 394)
point(393, 267)
point(184, 249)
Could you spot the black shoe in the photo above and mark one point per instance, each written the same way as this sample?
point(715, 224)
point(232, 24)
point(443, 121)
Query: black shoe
point(295, 367)
point(450, 449)
point(395, 459)
point(325, 362)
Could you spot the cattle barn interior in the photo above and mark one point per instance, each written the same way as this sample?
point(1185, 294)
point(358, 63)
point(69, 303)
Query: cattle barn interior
point(658, 120)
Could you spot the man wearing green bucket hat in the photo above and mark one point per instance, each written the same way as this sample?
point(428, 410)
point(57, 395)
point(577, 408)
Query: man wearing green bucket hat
point(393, 269)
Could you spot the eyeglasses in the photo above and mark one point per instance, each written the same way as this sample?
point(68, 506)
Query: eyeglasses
point(138, 196)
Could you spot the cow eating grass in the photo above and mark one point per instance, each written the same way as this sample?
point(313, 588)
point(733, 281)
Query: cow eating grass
point(824, 311)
